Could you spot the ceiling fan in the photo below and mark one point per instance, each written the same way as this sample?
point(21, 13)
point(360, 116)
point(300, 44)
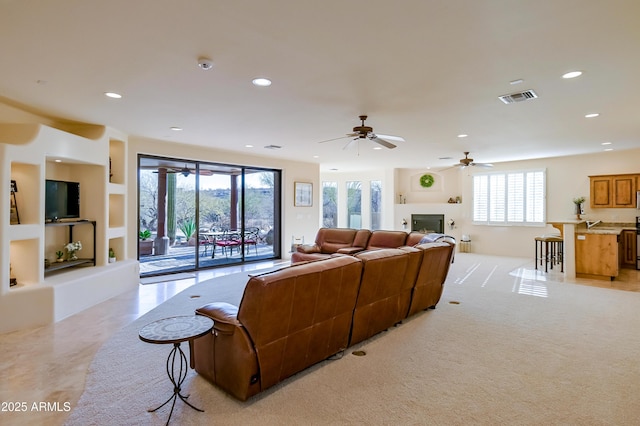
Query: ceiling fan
point(185, 171)
point(366, 132)
point(466, 162)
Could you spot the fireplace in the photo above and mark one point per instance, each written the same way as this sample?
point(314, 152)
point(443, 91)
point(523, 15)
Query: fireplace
point(427, 223)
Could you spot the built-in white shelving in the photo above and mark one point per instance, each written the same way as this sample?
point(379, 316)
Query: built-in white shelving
point(94, 156)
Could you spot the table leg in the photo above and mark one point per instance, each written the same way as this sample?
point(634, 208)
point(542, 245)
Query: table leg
point(176, 354)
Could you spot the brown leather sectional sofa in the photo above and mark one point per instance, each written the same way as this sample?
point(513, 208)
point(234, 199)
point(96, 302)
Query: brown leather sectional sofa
point(330, 241)
point(297, 316)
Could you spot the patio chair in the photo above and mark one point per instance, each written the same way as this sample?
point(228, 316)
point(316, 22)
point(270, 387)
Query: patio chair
point(203, 241)
point(227, 242)
point(251, 237)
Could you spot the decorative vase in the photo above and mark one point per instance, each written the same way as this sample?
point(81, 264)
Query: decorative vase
point(72, 255)
point(59, 259)
point(578, 211)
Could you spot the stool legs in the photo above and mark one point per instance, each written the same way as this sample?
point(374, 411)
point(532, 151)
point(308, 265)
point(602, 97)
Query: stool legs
point(551, 252)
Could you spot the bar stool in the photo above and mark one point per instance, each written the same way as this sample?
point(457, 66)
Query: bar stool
point(551, 251)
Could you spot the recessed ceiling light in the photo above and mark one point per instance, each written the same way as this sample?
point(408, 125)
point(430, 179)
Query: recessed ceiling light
point(377, 148)
point(592, 115)
point(514, 82)
point(572, 74)
point(316, 156)
point(248, 146)
point(176, 129)
point(113, 95)
point(58, 161)
point(462, 135)
point(263, 82)
point(606, 143)
point(608, 149)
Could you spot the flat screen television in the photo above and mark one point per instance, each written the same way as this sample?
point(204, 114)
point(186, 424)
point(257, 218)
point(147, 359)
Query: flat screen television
point(62, 200)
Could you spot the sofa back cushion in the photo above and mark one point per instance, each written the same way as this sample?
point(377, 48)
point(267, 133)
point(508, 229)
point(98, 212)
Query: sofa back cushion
point(436, 260)
point(385, 292)
point(330, 240)
point(300, 315)
point(386, 239)
point(414, 238)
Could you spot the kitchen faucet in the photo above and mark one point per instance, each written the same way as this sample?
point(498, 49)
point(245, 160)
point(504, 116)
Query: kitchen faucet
point(592, 224)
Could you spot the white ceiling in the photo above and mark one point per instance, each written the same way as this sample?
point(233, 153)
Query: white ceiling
point(426, 70)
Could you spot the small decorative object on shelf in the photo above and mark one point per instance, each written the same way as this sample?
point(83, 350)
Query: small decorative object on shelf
point(404, 223)
point(578, 202)
point(72, 248)
point(59, 256)
point(112, 255)
point(14, 217)
point(12, 280)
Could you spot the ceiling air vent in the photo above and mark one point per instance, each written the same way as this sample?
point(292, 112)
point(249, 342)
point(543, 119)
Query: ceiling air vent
point(518, 97)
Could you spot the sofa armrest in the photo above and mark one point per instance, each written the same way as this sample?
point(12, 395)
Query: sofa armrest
point(350, 250)
point(224, 316)
point(308, 248)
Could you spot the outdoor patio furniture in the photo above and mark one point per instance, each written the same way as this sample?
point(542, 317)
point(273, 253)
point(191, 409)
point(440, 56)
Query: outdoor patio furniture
point(227, 242)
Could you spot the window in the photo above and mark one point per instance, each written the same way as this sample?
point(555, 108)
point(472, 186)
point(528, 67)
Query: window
point(330, 204)
point(509, 198)
point(376, 204)
point(354, 206)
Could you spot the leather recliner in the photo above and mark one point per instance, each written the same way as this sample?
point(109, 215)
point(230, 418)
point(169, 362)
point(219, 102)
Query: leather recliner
point(287, 321)
point(330, 241)
point(432, 273)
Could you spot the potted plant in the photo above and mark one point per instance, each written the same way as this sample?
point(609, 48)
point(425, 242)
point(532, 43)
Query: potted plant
point(145, 245)
point(59, 256)
point(112, 255)
point(578, 202)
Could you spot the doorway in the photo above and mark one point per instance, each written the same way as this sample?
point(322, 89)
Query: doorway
point(199, 214)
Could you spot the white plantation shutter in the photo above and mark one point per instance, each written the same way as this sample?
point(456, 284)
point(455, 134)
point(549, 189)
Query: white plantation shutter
point(497, 198)
point(515, 190)
point(509, 198)
point(480, 198)
point(536, 196)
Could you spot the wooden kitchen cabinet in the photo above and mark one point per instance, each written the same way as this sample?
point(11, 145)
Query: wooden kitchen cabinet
point(617, 191)
point(597, 255)
point(629, 249)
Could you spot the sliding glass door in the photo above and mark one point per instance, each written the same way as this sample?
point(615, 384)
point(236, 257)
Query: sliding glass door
point(202, 214)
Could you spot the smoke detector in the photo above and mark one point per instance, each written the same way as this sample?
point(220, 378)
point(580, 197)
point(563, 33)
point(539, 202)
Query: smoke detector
point(205, 63)
point(518, 97)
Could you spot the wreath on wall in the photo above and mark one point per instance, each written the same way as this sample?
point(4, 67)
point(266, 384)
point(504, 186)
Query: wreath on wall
point(426, 181)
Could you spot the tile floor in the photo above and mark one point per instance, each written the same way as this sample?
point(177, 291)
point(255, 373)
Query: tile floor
point(49, 364)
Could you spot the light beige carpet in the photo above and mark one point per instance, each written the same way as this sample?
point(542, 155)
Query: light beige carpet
point(515, 350)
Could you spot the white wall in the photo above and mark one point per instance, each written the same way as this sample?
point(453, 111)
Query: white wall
point(296, 221)
point(567, 178)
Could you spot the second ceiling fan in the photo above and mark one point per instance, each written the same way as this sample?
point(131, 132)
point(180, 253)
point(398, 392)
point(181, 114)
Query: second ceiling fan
point(466, 162)
point(366, 132)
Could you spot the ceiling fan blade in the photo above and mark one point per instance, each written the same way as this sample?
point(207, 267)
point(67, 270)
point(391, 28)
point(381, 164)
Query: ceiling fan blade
point(391, 137)
point(349, 143)
point(350, 135)
point(483, 165)
point(382, 142)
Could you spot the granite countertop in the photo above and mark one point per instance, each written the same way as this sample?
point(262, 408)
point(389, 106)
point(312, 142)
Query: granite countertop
point(606, 228)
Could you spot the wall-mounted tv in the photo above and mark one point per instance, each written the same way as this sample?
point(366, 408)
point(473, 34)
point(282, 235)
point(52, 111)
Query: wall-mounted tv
point(62, 200)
